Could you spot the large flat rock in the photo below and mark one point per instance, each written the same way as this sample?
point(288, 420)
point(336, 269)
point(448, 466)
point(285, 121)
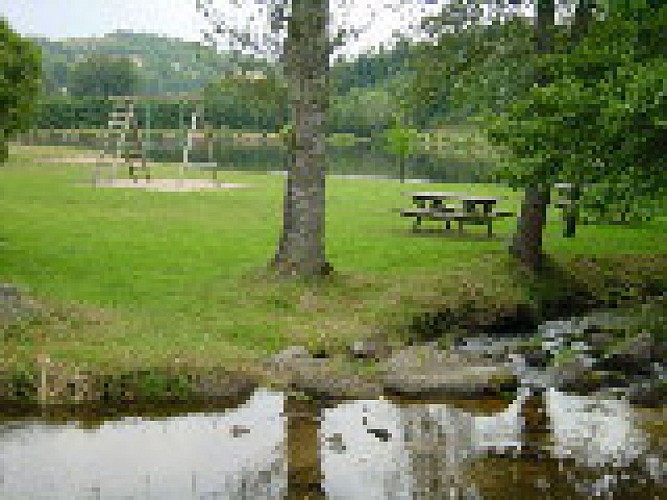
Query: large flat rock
point(428, 370)
point(295, 369)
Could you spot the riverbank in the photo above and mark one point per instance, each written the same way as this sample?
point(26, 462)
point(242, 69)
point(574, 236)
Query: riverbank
point(141, 295)
point(476, 348)
point(628, 356)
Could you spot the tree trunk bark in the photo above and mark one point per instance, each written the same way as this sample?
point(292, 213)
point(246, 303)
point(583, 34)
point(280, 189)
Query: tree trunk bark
point(301, 249)
point(527, 241)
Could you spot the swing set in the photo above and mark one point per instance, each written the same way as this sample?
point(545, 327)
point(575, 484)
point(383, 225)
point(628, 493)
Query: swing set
point(127, 143)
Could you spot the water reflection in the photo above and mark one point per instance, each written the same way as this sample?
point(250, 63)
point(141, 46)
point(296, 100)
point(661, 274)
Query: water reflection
point(426, 451)
point(594, 432)
point(541, 445)
point(179, 457)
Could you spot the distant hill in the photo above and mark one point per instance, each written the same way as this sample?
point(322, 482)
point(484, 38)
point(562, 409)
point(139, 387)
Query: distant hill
point(365, 90)
point(165, 64)
point(173, 65)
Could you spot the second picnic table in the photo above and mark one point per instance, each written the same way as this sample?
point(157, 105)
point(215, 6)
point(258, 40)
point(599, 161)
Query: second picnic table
point(473, 209)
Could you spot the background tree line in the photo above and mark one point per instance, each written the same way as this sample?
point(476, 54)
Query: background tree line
point(366, 91)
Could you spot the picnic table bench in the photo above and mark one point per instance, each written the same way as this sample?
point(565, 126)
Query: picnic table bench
point(469, 209)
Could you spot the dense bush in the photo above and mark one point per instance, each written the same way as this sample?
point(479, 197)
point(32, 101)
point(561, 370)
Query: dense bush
point(20, 71)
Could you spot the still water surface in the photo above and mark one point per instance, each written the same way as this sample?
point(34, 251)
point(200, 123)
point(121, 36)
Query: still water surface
point(551, 445)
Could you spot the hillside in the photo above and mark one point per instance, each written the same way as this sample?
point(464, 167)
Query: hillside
point(173, 65)
point(165, 64)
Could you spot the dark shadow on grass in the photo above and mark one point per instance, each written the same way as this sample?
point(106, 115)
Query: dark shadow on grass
point(452, 234)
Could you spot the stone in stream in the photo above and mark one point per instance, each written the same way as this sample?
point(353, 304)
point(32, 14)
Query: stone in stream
point(364, 350)
point(536, 357)
point(600, 337)
point(289, 355)
point(575, 374)
point(650, 392)
point(633, 356)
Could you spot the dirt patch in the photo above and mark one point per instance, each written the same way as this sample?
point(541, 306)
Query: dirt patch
point(86, 160)
point(166, 185)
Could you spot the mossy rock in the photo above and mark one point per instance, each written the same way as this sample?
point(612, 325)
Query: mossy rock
point(633, 355)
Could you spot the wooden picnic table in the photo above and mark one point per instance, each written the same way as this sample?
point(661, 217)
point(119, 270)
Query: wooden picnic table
point(470, 203)
point(436, 205)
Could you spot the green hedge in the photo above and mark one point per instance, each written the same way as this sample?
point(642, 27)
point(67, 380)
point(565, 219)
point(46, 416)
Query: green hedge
point(65, 112)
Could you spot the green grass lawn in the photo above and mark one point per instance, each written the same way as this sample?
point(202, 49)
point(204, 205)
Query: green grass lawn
point(138, 278)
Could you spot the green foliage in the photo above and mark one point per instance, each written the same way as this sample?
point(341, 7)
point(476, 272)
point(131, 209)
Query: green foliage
point(168, 65)
point(401, 141)
point(152, 385)
point(66, 112)
point(103, 76)
point(466, 72)
point(256, 101)
point(69, 112)
point(361, 111)
point(19, 83)
point(373, 70)
point(601, 121)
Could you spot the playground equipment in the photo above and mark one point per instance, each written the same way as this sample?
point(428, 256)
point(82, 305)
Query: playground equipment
point(127, 143)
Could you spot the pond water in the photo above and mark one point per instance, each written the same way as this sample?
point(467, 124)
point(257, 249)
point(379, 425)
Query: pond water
point(540, 445)
point(361, 158)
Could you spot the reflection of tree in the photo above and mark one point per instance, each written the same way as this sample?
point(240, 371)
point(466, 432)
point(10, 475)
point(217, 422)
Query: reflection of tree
point(264, 481)
point(304, 471)
point(443, 442)
point(446, 452)
point(595, 432)
point(297, 457)
point(438, 446)
point(535, 435)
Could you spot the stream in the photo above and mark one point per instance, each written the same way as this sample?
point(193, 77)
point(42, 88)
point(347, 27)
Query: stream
point(540, 443)
point(273, 445)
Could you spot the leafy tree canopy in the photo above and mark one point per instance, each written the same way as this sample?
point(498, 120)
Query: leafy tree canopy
point(468, 68)
point(254, 99)
point(20, 71)
point(104, 75)
point(400, 140)
point(603, 119)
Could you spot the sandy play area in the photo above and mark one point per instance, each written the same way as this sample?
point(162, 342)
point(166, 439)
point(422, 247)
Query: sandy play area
point(74, 159)
point(166, 185)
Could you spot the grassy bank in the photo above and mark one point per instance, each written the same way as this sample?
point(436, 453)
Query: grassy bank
point(131, 279)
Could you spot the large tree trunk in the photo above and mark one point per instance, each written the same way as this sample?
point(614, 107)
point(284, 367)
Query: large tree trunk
point(527, 241)
point(301, 246)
